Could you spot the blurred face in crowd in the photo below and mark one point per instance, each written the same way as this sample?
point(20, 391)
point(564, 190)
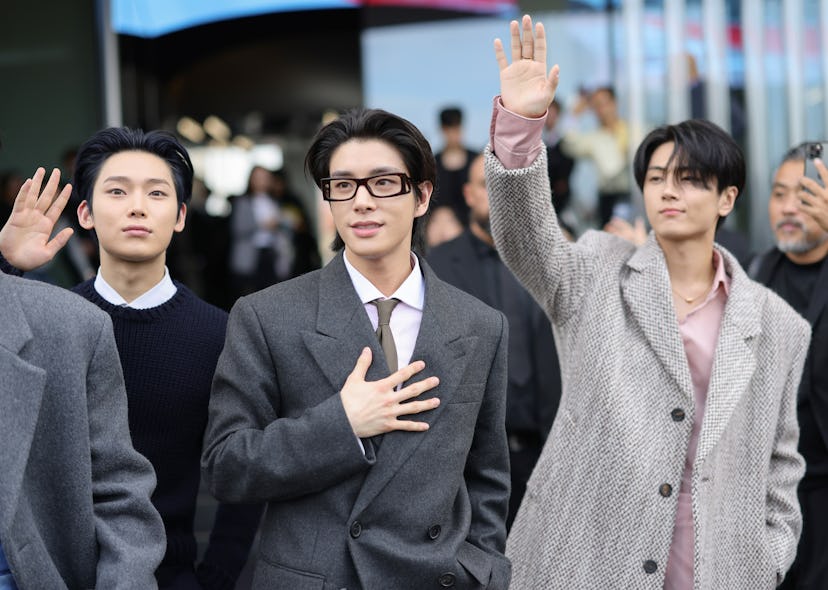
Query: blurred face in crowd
point(796, 233)
point(477, 197)
point(603, 103)
point(442, 226)
point(453, 135)
point(260, 181)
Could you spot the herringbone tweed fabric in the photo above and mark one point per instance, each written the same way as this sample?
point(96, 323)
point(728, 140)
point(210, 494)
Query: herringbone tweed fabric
point(593, 516)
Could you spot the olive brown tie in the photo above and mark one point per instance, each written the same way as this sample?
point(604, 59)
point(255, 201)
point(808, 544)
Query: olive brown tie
point(386, 338)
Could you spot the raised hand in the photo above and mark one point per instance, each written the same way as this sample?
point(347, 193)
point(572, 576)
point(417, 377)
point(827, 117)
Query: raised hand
point(25, 239)
point(525, 86)
point(814, 197)
point(373, 407)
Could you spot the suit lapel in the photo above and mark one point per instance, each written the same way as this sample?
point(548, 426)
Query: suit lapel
point(19, 406)
point(444, 346)
point(342, 329)
point(729, 380)
point(646, 292)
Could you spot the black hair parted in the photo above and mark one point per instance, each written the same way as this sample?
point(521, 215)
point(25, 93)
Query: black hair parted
point(113, 140)
point(701, 148)
point(399, 133)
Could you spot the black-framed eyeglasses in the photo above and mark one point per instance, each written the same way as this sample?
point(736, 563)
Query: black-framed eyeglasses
point(381, 186)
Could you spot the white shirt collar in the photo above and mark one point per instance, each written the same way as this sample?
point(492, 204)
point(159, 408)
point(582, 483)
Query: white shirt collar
point(411, 292)
point(157, 295)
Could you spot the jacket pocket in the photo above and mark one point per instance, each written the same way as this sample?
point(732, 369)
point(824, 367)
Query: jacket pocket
point(272, 576)
point(475, 561)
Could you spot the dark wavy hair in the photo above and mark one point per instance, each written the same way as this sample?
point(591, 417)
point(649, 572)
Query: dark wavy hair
point(108, 142)
point(701, 148)
point(400, 133)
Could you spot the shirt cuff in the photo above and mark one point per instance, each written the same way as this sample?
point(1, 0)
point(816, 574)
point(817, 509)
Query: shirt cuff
point(515, 140)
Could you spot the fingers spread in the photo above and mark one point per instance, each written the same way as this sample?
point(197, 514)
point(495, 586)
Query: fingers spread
point(57, 206)
point(417, 388)
point(410, 426)
point(514, 30)
point(500, 55)
point(34, 188)
point(362, 364)
point(22, 196)
point(45, 199)
point(540, 43)
point(402, 375)
point(554, 77)
point(59, 241)
point(528, 45)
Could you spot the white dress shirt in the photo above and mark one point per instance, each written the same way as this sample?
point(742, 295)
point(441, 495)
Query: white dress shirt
point(407, 315)
point(160, 293)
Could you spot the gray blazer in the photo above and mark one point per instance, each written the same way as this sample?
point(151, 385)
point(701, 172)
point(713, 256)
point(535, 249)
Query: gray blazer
point(427, 509)
point(593, 514)
point(75, 508)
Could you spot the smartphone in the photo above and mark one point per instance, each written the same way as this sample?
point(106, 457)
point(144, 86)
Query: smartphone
point(812, 151)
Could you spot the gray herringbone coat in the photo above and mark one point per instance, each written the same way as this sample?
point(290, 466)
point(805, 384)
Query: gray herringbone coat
point(593, 514)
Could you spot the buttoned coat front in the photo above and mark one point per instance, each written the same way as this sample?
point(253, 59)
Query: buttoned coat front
point(75, 508)
point(593, 516)
point(426, 510)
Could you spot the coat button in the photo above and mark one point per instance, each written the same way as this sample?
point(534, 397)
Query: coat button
point(356, 529)
point(677, 415)
point(665, 490)
point(434, 531)
point(650, 566)
point(446, 580)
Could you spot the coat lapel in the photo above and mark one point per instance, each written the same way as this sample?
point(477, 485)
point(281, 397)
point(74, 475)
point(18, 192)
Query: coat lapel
point(646, 292)
point(19, 405)
point(342, 329)
point(444, 346)
point(729, 380)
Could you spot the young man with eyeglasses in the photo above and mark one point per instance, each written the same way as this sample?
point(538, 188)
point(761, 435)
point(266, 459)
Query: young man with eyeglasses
point(378, 472)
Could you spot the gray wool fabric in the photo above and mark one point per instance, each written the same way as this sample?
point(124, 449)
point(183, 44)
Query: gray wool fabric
point(423, 510)
point(75, 508)
point(593, 516)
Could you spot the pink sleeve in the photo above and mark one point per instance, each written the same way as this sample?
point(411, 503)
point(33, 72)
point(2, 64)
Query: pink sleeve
point(515, 140)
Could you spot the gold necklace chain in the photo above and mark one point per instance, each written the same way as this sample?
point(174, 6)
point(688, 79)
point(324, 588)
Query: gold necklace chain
point(687, 300)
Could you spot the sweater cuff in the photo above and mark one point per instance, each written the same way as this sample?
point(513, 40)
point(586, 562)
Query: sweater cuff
point(8, 268)
point(515, 140)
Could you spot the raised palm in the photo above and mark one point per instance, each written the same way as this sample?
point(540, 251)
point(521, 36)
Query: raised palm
point(525, 86)
point(26, 239)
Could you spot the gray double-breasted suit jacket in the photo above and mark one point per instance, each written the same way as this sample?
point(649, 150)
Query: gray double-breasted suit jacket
point(75, 508)
point(597, 514)
point(426, 510)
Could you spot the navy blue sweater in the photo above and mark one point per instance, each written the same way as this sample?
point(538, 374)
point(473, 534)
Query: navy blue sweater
point(169, 354)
